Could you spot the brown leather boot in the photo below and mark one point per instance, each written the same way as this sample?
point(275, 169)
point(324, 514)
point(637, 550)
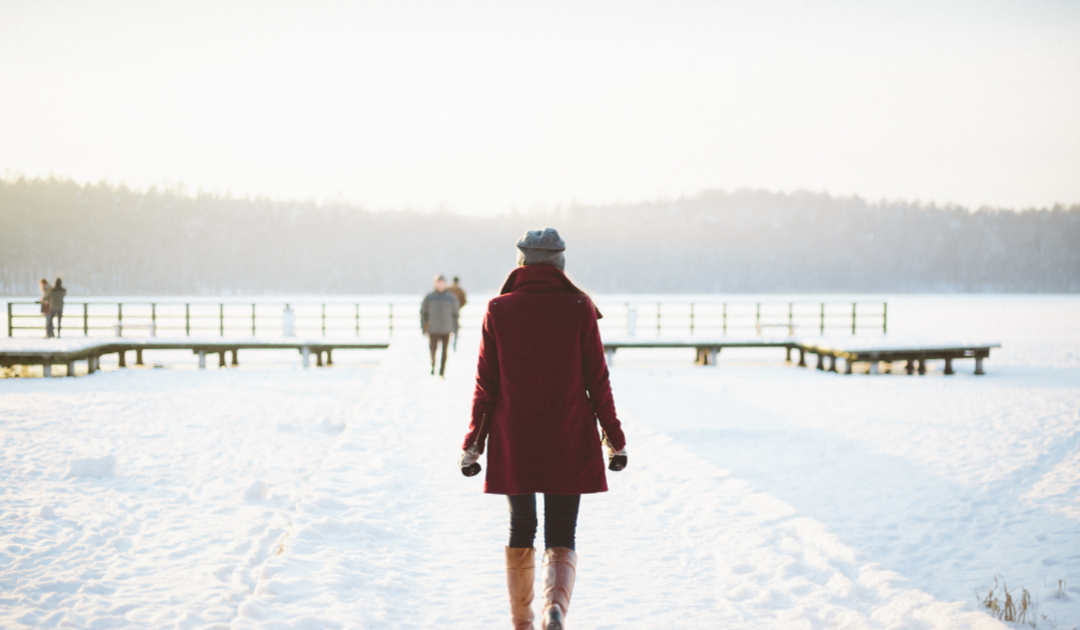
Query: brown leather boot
point(520, 571)
point(560, 568)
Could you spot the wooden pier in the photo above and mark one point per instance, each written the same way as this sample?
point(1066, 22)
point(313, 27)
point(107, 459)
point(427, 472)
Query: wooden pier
point(48, 353)
point(914, 356)
point(871, 352)
point(707, 350)
point(208, 328)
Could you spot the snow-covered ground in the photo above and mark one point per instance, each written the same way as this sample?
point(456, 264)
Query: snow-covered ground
point(144, 498)
point(757, 496)
point(946, 480)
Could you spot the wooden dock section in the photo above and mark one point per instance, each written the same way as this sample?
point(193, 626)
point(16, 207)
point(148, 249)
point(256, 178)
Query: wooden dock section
point(914, 356)
point(50, 352)
point(707, 349)
point(871, 352)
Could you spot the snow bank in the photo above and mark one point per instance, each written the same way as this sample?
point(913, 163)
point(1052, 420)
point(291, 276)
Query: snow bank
point(1059, 488)
point(172, 543)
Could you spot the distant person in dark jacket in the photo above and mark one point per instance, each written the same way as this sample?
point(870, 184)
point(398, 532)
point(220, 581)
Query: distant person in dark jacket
point(56, 307)
point(438, 319)
point(459, 293)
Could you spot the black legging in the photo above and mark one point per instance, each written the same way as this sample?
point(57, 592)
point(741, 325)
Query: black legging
point(560, 520)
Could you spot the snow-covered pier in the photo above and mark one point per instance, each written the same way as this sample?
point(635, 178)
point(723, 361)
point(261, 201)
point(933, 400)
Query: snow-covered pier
point(876, 353)
point(50, 352)
point(871, 352)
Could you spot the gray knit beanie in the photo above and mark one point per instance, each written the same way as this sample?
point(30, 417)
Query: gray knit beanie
point(542, 247)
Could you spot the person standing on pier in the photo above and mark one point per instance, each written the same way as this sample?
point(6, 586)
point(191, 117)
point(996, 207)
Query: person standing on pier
point(541, 386)
point(55, 300)
point(438, 319)
point(44, 301)
point(459, 293)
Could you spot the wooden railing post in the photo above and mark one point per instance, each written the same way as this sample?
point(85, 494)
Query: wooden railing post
point(391, 319)
point(853, 318)
point(153, 321)
point(120, 320)
point(85, 319)
point(221, 320)
point(884, 318)
point(10, 328)
point(658, 319)
point(790, 324)
point(691, 318)
point(757, 319)
point(187, 319)
point(822, 321)
point(358, 320)
point(252, 326)
point(725, 319)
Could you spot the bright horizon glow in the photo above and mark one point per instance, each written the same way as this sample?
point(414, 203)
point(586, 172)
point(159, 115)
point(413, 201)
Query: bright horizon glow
point(485, 107)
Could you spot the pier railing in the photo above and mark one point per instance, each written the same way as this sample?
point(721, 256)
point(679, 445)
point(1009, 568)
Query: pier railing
point(380, 320)
point(219, 319)
point(757, 319)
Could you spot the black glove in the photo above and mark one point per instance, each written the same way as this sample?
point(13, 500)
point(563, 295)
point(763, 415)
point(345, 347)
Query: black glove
point(469, 466)
point(616, 459)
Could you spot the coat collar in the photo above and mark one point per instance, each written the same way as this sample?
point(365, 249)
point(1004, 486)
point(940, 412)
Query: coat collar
point(541, 278)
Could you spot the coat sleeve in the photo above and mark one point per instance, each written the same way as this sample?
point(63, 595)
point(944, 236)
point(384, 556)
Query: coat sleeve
point(597, 382)
point(425, 313)
point(487, 382)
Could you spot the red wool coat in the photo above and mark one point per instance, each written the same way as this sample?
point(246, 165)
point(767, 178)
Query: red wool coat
point(542, 385)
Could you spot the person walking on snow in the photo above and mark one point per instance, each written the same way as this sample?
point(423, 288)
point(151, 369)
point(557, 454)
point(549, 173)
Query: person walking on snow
point(56, 307)
point(439, 318)
point(458, 292)
point(541, 386)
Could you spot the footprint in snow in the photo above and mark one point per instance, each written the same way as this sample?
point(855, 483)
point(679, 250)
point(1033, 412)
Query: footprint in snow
point(257, 490)
point(330, 503)
point(95, 467)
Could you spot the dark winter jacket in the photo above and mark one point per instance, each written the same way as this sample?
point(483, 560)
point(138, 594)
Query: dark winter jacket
point(439, 313)
point(541, 385)
point(56, 299)
point(459, 292)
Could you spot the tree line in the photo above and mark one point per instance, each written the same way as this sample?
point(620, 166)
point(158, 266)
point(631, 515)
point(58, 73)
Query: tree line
point(109, 240)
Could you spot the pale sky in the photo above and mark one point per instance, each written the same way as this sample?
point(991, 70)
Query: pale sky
point(487, 106)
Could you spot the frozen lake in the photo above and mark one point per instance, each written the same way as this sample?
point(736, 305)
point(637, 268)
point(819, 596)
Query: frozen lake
point(758, 494)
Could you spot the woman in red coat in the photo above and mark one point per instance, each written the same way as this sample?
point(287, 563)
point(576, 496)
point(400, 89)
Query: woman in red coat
point(541, 386)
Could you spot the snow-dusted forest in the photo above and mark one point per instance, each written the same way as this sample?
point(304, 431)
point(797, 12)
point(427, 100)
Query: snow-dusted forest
point(106, 239)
